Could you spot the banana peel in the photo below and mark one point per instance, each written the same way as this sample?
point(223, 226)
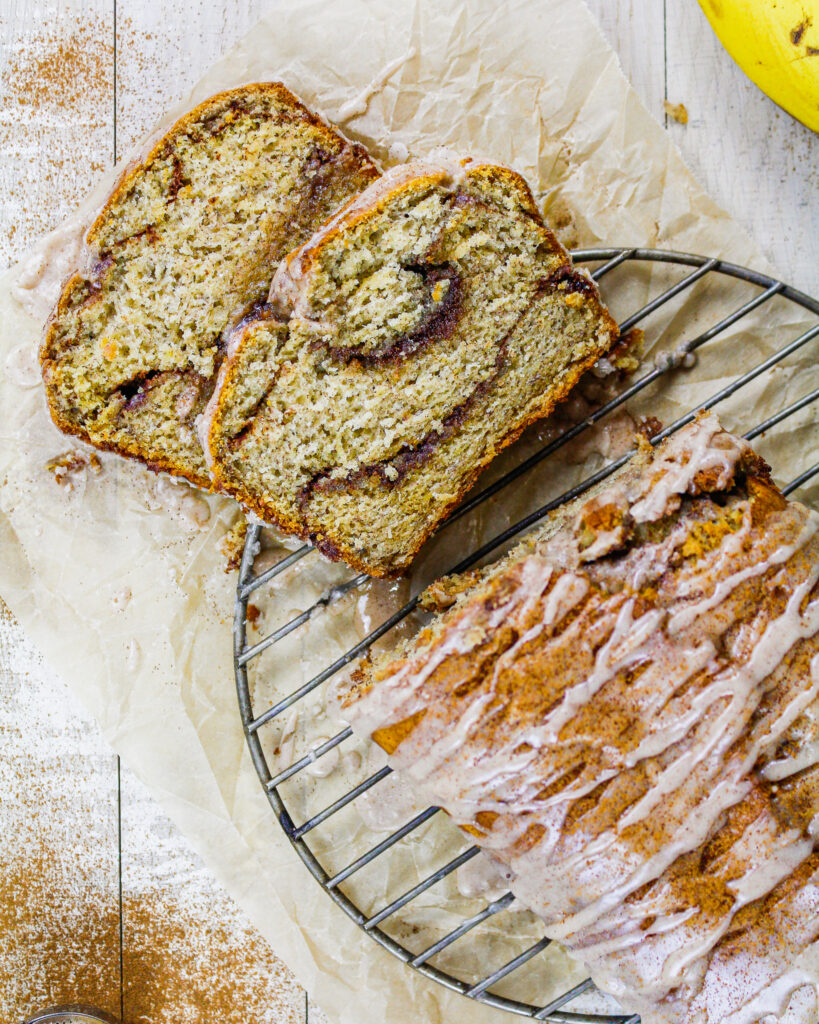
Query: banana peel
point(776, 43)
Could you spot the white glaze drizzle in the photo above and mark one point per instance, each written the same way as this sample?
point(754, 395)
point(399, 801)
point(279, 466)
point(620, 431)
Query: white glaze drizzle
point(673, 473)
point(483, 876)
point(358, 105)
point(698, 745)
point(21, 366)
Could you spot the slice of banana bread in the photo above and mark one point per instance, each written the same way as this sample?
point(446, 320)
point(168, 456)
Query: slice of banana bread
point(185, 245)
point(410, 340)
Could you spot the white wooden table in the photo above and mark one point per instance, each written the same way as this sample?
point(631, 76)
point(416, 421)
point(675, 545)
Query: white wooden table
point(101, 899)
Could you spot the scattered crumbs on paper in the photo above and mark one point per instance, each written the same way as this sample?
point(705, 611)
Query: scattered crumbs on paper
point(71, 464)
point(352, 108)
point(562, 221)
point(676, 111)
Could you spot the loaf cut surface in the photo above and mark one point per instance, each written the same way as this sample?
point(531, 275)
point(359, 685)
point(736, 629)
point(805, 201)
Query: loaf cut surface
point(625, 711)
point(410, 340)
point(184, 247)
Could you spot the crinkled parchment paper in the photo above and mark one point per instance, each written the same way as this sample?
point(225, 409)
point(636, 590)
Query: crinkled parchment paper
point(119, 578)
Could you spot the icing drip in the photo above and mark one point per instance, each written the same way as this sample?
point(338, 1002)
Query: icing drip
point(357, 106)
point(483, 876)
point(40, 277)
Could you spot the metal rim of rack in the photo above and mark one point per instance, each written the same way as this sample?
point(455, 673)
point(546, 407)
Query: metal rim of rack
point(609, 258)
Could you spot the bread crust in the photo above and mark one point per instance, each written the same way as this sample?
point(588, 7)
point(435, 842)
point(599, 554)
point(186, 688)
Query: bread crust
point(353, 213)
point(212, 106)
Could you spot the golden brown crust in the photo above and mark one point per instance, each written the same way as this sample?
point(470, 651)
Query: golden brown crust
point(346, 218)
point(213, 104)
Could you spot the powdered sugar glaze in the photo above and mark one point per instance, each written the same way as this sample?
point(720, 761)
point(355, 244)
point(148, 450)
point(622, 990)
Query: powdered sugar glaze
point(633, 732)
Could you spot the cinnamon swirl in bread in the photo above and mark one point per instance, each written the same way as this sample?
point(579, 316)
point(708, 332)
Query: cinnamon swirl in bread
point(625, 711)
point(404, 345)
point(186, 244)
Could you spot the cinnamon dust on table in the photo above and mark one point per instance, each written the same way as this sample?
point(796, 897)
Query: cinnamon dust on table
point(187, 953)
point(184, 964)
point(62, 71)
point(56, 123)
point(181, 963)
point(59, 935)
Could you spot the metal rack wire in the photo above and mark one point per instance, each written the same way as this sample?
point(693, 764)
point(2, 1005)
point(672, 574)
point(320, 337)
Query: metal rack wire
point(253, 721)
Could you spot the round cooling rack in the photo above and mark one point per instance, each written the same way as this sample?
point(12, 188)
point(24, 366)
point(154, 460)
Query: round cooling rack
point(740, 292)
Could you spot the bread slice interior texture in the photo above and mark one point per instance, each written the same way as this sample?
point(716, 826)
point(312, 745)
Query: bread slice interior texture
point(184, 247)
point(410, 340)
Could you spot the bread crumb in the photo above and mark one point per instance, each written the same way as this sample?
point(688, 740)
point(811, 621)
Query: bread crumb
point(71, 463)
point(649, 426)
point(677, 111)
point(233, 543)
point(561, 219)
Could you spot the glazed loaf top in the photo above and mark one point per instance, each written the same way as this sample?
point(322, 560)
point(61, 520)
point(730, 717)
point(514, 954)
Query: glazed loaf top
point(624, 710)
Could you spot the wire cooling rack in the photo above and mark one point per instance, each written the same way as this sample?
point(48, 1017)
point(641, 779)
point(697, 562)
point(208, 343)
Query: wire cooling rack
point(763, 289)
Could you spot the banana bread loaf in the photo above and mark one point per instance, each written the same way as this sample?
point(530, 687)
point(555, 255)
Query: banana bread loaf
point(185, 245)
point(404, 345)
point(625, 711)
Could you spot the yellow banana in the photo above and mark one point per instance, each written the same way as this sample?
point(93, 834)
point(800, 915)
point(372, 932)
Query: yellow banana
point(776, 43)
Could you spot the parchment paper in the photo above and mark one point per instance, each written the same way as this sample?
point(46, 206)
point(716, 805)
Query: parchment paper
point(120, 580)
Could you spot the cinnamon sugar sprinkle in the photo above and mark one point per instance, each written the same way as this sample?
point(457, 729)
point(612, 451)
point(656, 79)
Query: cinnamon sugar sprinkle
point(56, 103)
point(184, 961)
point(62, 72)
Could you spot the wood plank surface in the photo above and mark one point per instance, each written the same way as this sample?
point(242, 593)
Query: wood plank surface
point(635, 30)
point(754, 159)
point(56, 112)
point(59, 856)
point(162, 49)
point(102, 901)
point(189, 954)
